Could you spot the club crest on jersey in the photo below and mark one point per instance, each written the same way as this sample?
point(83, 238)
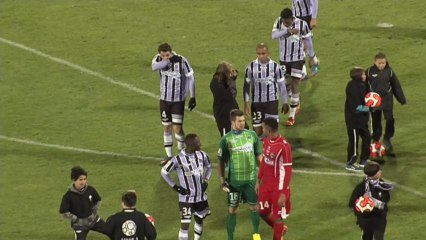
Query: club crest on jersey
point(90, 197)
point(374, 75)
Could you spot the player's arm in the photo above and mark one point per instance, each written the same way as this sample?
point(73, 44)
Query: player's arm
point(256, 148)
point(149, 230)
point(208, 167)
point(97, 201)
point(246, 89)
point(223, 156)
point(165, 173)
point(64, 209)
point(189, 74)
point(314, 8)
point(109, 226)
point(158, 63)
point(396, 88)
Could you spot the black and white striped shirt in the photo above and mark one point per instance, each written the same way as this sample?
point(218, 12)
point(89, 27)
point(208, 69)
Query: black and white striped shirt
point(264, 81)
point(291, 46)
point(192, 169)
point(305, 8)
point(175, 78)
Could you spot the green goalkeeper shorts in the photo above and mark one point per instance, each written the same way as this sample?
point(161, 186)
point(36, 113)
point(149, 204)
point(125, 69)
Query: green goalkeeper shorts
point(243, 192)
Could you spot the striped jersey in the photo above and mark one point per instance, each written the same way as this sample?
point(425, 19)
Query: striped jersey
point(262, 79)
point(276, 165)
point(175, 78)
point(192, 169)
point(240, 150)
point(291, 46)
point(304, 8)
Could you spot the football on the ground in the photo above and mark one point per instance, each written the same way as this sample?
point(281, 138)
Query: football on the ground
point(373, 99)
point(377, 150)
point(150, 218)
point(364, 204)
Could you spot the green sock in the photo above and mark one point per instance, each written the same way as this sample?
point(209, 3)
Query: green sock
point(255, 220)
point(232, 222)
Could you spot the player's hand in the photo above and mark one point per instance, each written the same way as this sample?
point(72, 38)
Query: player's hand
point(192, 103)
point(313, 23)
point(281, 200)
point(285, 108)
point(313, 61)
point(175, 59)
point(180, 190)
point(293, 30)
point(225, 187)
point(92, 219)
point(204, 186)
point(362, 108)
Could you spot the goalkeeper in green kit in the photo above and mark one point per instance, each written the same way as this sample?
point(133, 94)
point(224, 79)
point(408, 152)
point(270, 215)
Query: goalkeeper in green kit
point(240, 150)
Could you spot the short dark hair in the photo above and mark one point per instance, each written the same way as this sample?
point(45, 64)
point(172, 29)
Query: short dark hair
point(262, 45)
point(164, 47)
point(371, 169)
point(189, 139)
point(76, 172)
point(380, 55)
point(271, 123)
point(129, 198)
point(286, 13)
point(235, 113)
point(356, 73)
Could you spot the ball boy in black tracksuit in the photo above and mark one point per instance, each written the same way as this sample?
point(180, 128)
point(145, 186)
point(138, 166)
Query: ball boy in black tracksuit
point(129, 224)
point(80, 205)
point(356, 118)
point(372, 224)
point(383, 80)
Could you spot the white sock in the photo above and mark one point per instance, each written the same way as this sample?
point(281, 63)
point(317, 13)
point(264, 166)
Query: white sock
point(180, 138)
point(198, 230)
point(168, 143)
point(294, 102)
point(183, 234)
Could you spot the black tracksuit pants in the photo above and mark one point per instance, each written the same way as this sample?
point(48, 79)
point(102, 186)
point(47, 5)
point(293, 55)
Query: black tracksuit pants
point(373, 228)
point(376, 117)
point(353, 136)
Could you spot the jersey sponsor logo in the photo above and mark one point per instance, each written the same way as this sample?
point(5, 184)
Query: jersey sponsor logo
point(268, 80)
point(196, 172)
point(374, 75)
point(129, 228)
point(248, 147)
point(170, 74)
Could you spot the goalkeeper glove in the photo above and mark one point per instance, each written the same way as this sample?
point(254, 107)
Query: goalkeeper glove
point(175, 59)
point(192, 103)
point(180, 190)
point(362, 108)
point(225, 187)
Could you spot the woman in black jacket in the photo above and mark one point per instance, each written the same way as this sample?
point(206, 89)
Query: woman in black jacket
point(223, 87)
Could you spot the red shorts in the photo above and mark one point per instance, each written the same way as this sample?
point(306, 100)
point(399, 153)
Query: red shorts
point(268, 204)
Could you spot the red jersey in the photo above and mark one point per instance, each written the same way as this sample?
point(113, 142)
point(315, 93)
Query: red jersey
point(276, 165)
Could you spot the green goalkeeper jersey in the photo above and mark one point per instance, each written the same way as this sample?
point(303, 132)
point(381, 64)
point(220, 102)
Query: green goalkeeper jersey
point(240, 150)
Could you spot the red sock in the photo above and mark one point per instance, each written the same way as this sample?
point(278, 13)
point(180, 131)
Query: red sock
point(278, 230)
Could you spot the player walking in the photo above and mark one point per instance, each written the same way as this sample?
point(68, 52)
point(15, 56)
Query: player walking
point(176, 75)
point(240, 149)
point(273, 180)
point(194, 170)
point(265, 79)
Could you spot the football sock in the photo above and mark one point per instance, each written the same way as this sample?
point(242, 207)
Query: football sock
point(294, 102)
point(232, 222)
point(168, 143)
point(183, 234)
point(278, 230)
point(180, 141)
point(198, 230)
point(255, 220)
point(267, 220)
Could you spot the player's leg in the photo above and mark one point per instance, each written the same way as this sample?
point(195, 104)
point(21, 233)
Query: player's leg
point(379, 229)
point(201, 211)
point(367, 228)
point(234, 197)
point(252, 201)
point(389, 130)
point(264, 200)
point(376, 118)
point(166, 119)
point(279, 212)
point(185, 219)
point(364, 133)
point(177, 111)
point(271, 110)
point(296, 75)
point(257, 113)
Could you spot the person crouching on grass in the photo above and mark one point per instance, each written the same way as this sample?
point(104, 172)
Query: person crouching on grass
point(80, 205)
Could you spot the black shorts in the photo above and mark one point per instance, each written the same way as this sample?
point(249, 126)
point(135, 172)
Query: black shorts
point(172, 112)
point(263, 109)
point(199, 209)
point(294, 69)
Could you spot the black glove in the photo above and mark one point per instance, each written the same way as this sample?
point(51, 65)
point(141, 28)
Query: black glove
point(205, 185)
point(284, 108)
point(175, 59)
point(192, 103)
point(180, 190)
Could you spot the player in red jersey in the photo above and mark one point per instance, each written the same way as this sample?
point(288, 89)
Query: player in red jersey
point(273, 180)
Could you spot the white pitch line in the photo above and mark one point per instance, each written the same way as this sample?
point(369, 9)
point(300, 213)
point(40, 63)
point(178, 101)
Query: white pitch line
point(91, 72)
point(149, 94)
